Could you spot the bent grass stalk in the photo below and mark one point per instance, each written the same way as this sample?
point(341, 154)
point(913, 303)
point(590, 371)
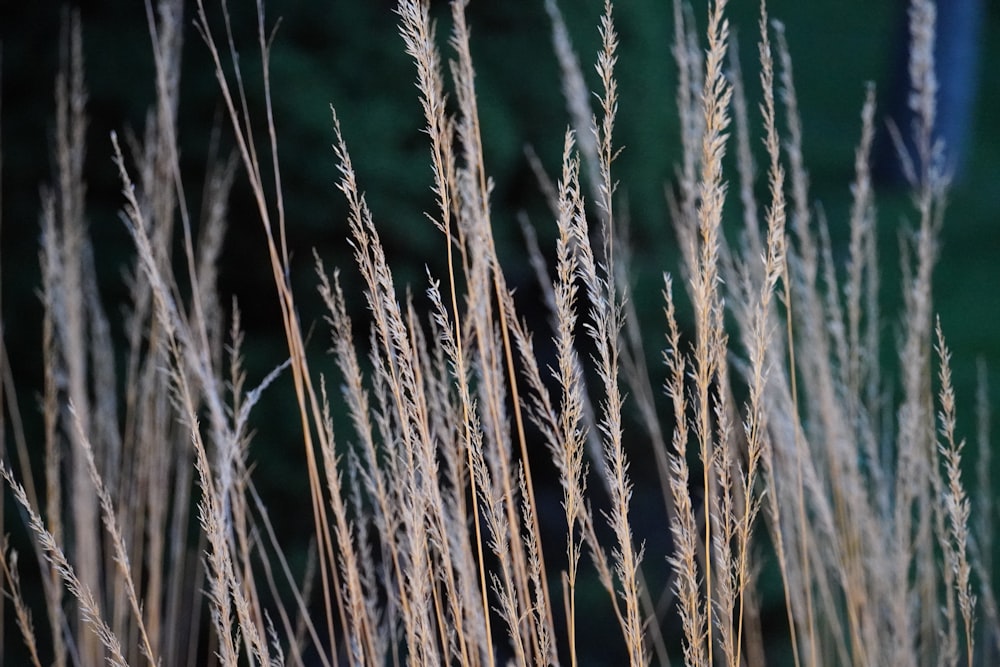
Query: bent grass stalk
point(429, 528)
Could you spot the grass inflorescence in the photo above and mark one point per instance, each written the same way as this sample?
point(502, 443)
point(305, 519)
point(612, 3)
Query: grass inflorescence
point(436, 456)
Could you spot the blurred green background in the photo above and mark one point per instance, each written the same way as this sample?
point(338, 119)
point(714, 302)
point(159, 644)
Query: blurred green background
point(347, 53)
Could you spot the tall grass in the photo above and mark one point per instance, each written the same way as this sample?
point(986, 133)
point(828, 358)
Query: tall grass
point(781, 450)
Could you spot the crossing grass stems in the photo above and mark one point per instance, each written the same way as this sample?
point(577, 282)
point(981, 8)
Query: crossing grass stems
point(428, 542)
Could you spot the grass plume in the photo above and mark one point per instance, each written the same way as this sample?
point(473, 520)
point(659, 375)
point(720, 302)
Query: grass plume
point(429, 452)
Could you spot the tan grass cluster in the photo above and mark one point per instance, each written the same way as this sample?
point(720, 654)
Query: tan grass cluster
point(429, 549)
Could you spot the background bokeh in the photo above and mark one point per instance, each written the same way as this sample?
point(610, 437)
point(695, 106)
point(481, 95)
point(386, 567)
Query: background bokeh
point(346, 53)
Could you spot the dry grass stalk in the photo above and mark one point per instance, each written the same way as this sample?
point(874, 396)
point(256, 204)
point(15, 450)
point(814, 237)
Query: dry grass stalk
point(12, 590)
point(427, 527)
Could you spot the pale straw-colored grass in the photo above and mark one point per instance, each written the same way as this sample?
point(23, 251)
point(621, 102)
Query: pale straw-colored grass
point(775, 443)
